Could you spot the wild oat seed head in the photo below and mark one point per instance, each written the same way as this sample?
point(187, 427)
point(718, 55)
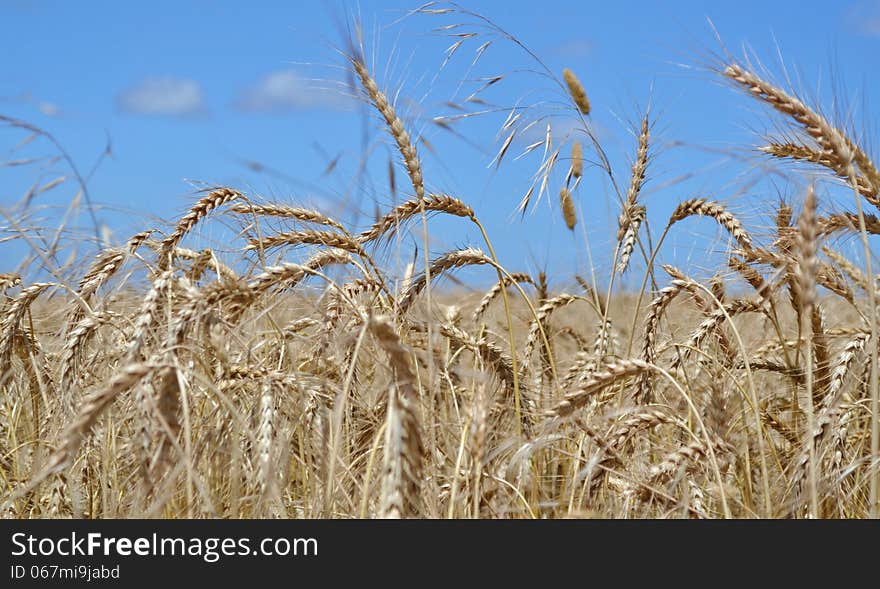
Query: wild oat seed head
point(577, 159)
point(568, 212)
point(577, 91)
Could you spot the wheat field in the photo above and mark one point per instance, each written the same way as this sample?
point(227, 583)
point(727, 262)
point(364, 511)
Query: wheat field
point(311, 378)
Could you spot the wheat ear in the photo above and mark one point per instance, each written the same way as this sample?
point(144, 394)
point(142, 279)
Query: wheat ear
point(201, 209)
point(448, 261)
point(717, 211)
point(401, 480)
point(605, 376)
point(404, 211)
point(13, 316)
point(285, 212)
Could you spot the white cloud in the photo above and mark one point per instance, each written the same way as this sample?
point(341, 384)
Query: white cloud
point(285, 91)
point(163, 96)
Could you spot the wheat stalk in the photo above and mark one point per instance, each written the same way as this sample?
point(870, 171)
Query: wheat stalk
point(401, 479)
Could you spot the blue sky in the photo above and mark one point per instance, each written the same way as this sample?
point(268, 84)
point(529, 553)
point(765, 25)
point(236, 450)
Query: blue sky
point(194, 93)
